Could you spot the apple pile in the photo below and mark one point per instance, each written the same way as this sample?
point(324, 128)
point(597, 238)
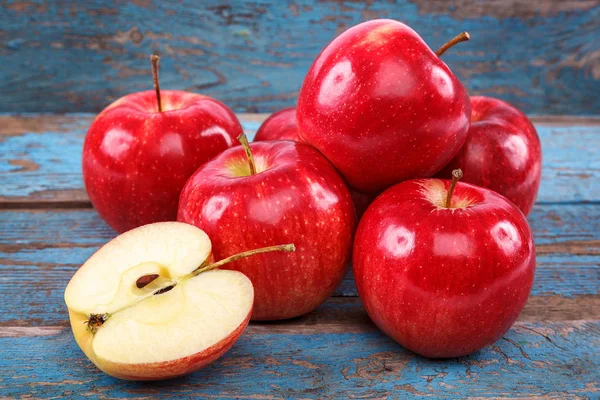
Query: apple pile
point(442, 266)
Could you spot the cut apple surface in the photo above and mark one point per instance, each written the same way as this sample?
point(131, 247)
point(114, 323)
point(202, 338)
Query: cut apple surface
point(142, 309)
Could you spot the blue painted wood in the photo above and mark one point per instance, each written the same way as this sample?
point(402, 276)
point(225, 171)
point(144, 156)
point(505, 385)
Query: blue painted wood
point(40, 159)
point(40, 250)
point(541, 359)
point(65, 56)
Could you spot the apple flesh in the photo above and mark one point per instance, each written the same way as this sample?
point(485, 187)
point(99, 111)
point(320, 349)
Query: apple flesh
point(502, 152)
point(137, 159)
point(382, 107)
point(443, 281)
point(281, 125)
point(172, 325)
point(289, 193)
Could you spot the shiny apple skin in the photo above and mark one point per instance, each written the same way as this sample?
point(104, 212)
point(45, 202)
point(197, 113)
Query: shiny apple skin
point(502, 152)
point(136, 160)
point(300, 198)
point(443, 282)
point(281, 125)
point(383, 107)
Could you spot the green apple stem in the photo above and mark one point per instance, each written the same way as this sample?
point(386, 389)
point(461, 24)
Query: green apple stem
point(244, 141)
point(155, 61)
point(281, 247)
point(461, 37)
point(456, 175)
point(96, 320)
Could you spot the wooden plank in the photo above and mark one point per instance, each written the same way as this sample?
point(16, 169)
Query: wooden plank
point(546, 360)
point(79, 56)
point(40, 160)
point(41, 249)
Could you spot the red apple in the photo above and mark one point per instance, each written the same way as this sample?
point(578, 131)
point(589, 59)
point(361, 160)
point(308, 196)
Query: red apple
point(383, 107)
point(502, 152)
point(443, 281)
point(281, 192)
point(281, 125)
point(137, 157)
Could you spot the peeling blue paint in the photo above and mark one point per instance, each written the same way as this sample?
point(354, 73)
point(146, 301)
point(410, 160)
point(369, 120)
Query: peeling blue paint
point(79, 56)
point(543, 359)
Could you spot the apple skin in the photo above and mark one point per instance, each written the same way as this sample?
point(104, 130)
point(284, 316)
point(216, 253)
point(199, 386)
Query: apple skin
point(502, 152)
point(383, 107)
point(299, 198)
point(136, 160)
point(281, 125)
point(152, 371)
point(443, 282)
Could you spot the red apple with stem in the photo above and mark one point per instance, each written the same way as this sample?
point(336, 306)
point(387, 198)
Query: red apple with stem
point(281, 125)
point(383, 107)
point(268, 193)
point(502, 152)
point(443, 268)
point(141, 149)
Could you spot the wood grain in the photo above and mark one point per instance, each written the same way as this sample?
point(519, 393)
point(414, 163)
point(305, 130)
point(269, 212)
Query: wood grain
point(68, 56)
point(550, 360)
point(40, 159)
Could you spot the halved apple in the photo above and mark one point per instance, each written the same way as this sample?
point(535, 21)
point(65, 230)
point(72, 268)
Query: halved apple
point(150, 304)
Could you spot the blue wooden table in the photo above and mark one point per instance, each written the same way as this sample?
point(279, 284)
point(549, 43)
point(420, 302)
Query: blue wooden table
point(74, 57)
point(48, 229)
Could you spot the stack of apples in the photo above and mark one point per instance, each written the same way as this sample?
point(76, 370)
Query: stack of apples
point(381, 135)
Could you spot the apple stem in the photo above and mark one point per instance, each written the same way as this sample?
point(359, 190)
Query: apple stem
point(461, 37)
point(244, 254)
point(244, 141)
point(96, 320)
point(155, 60)
point(456, 175)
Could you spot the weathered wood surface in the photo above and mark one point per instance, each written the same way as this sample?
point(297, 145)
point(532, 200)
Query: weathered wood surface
point(66, 56)
point(47, 229)
point(534, 359)
point(40, 159)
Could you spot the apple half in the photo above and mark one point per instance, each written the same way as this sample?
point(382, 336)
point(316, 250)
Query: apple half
point(150, 304)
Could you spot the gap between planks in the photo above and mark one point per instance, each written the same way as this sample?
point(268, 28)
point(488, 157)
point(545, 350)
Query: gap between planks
point(346, 315)
point(282, 328)
point(16, 124)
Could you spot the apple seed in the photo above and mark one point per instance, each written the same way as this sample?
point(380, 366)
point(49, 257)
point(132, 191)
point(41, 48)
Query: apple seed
point(145, 280)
